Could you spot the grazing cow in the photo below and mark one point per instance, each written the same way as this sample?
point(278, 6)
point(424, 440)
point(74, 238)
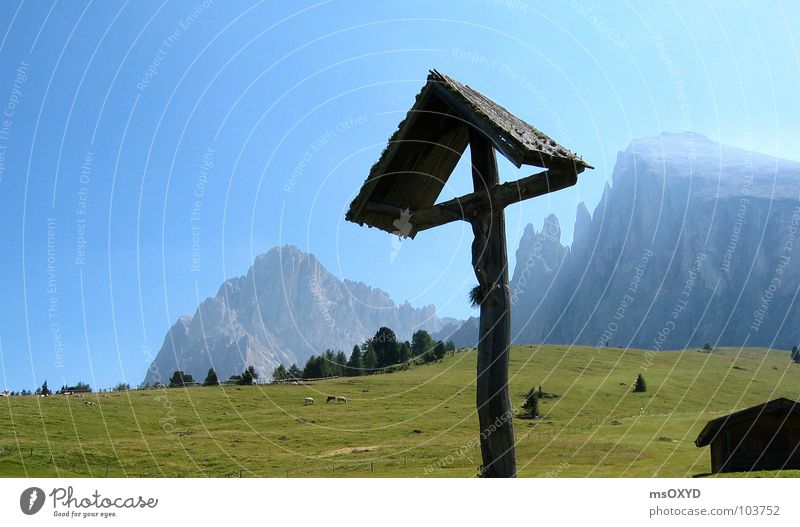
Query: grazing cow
point(330, 398)
point(309, 400)
point(340, 399)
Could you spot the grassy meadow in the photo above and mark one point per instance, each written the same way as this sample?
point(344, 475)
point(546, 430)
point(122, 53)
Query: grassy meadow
point(415, 423)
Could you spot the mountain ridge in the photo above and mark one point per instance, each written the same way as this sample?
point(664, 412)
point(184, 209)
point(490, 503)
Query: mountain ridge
point(284, 309)
point(709, 219)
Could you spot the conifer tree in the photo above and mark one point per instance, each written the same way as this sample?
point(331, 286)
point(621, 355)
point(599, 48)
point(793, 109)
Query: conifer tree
point(211, 378)
point(640, 386)
point(355, 366)
point(294, 372)
point(370, 359)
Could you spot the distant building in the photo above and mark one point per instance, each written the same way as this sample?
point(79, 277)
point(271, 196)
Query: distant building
point(764, 437)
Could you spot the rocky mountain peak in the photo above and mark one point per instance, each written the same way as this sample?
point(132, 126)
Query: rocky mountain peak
point(688, 222)
point(286, 308)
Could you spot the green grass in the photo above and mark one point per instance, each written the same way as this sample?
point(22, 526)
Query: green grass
point(419, 422)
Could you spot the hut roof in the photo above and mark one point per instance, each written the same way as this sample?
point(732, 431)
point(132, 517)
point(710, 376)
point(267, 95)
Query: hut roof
point(425, 148)
point(714, 426)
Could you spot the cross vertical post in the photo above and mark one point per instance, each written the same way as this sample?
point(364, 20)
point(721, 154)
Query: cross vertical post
point(490, 262)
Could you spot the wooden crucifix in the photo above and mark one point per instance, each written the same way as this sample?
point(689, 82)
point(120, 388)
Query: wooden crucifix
point(399, 196)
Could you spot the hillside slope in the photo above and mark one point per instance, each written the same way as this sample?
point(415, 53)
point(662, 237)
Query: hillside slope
point(419, 422)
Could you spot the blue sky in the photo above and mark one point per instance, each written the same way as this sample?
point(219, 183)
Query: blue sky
point(134, 133)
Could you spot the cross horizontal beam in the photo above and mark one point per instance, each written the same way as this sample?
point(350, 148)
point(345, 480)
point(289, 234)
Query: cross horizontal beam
point(475, 204)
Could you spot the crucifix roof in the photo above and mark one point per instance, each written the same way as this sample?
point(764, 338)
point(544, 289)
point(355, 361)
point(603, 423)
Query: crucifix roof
point(425, 148)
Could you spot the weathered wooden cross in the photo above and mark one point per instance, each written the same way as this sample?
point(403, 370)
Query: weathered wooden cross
point(399, 197)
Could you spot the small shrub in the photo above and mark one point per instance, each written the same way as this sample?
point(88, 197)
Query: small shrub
point(531, 404)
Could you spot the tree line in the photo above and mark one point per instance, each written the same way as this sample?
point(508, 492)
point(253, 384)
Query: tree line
point(181, 379)
point(80, 387)
point(384, 352)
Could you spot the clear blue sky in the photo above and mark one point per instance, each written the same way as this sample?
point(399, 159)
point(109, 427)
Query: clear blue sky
point(133, 130)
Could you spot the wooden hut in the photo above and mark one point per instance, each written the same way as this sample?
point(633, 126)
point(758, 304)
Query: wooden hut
point(763, 437)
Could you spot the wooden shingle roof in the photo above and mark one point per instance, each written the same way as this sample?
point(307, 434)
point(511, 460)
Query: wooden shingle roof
point(518, 141)
point(714, 426)
point(425, 148)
